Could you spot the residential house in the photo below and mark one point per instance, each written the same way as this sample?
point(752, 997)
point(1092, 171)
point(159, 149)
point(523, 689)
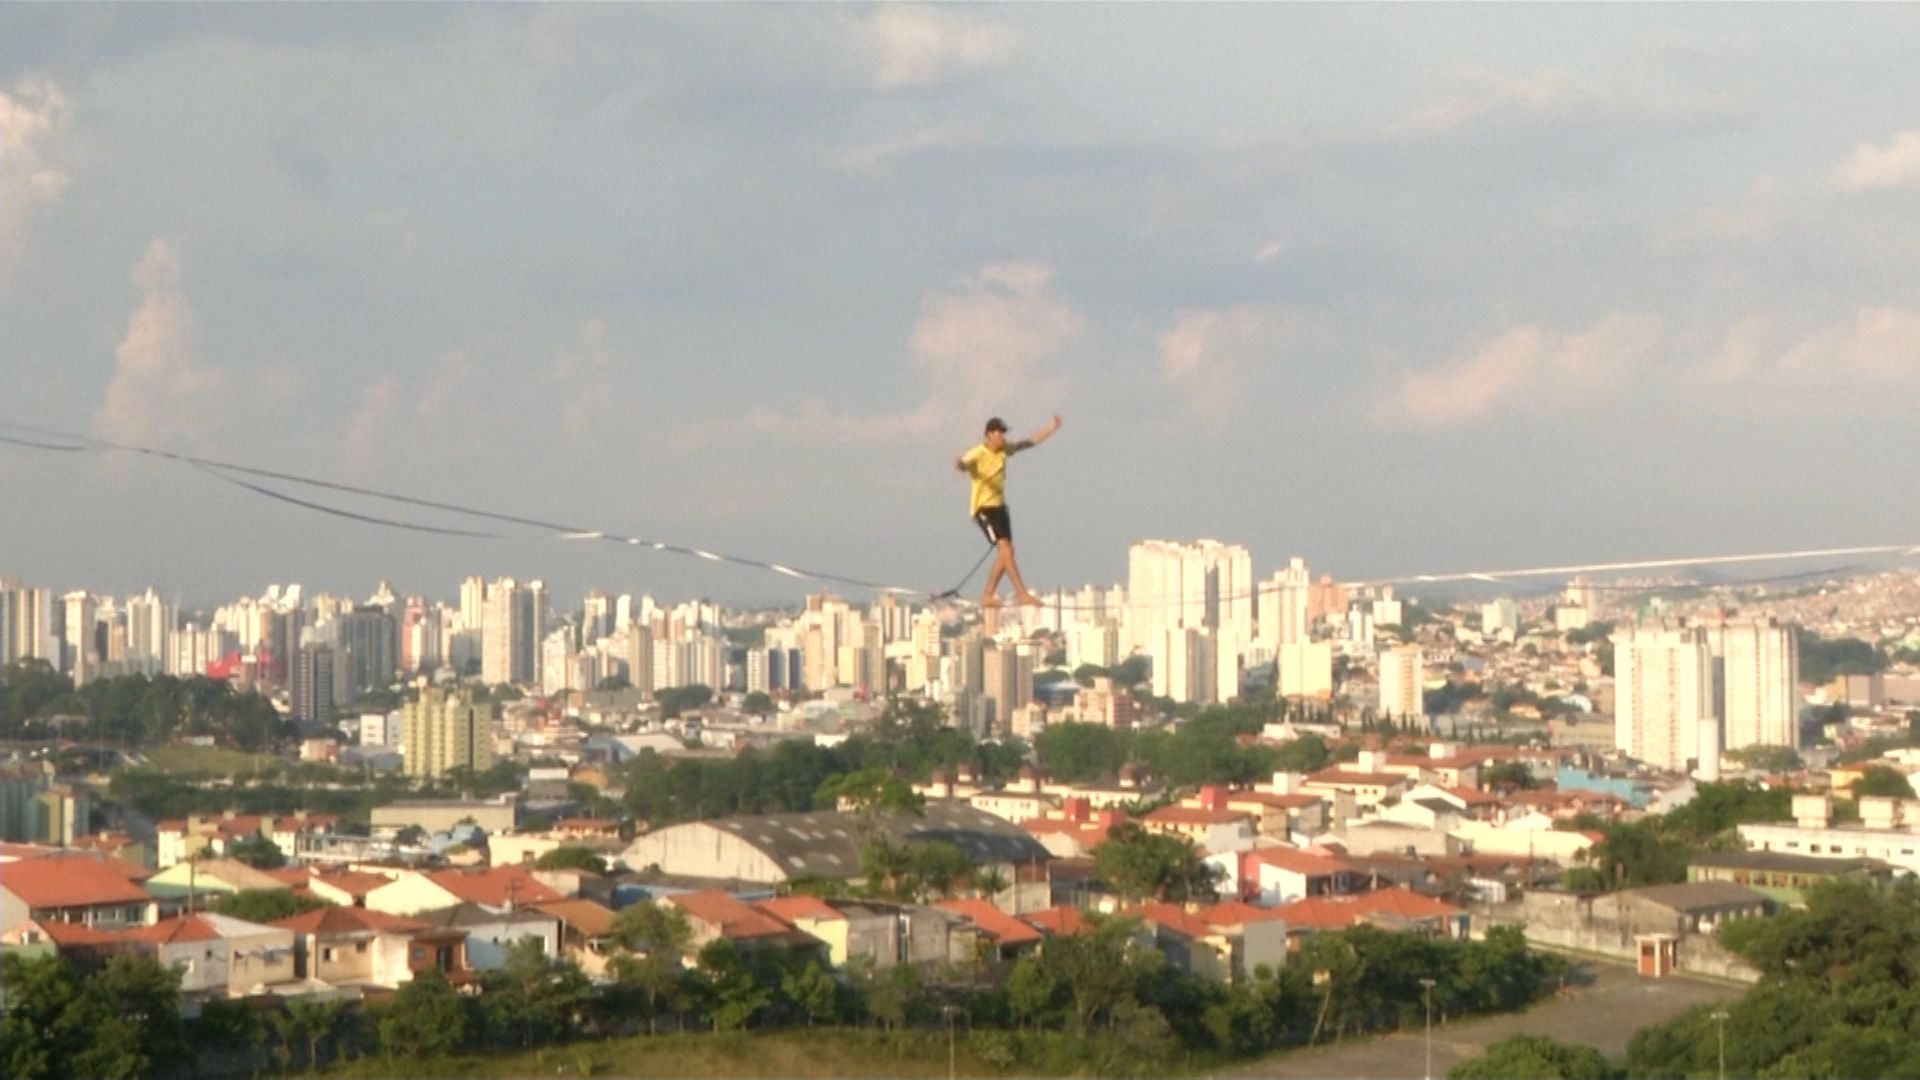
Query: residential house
point(349, 947)
point(1674, 925)
point(1009, 938)
point(197, 882)
point(1781, 876)
point(1279, 875)
point(715, 915)
point(586, 932)
point(1211, 825)
point(73, 888)
point(491, 932)
point(348, 888)
point(1395, 909)
point(497, 888)
point(1365, 789)
point(219, 956)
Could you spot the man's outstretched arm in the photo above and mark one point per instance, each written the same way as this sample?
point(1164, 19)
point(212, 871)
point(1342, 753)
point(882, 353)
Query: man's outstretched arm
point(1040, 436)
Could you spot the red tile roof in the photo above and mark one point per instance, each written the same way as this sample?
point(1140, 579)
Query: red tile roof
point(789, 908)
point(353, 882)
point(70, 881)
point(495, 887)
point(1324, 912)
point(347, 920)
point(999, 925)
point(1056, 920)
point(729, 916)
point(586, 916)
point(1194, 815)
point(1173, 917)
point(177, 929)
point(1237, 913)
point(1355, 777)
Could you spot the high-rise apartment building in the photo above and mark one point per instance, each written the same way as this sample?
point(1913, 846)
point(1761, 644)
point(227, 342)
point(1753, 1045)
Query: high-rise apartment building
point(80, 649)
point(370, 642)
point(640, 659)
point(1185, 665)
point(1500, 619)
point(1285, 603)
point(1304, 669)
point(149, 633)
point(446, 731)
point(514, 625)
point(313, 680)
point(1760, 683)
point(27, 624)
point(1007, 681)
point(1204, 585)
point(473, 604)
point(1402, 684)
point(1663, 693)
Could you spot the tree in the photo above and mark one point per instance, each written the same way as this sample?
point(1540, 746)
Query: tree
point(1534, 1056)
point(613, 683)
point(737, 993)
point(1033, 992)
point(1306, 754)
point(675, 700)
point(1076, 752)
point(425, 1019)
point(653, 938)
point(1880, 780)
point(310, 1023)
point(533, 995)
point(1140, 865)
point(759, 703)
point(258, 852)
point(572, 857)
point(1507, 776)
point(1773, 759)
point(265, 905)
point(812, 991)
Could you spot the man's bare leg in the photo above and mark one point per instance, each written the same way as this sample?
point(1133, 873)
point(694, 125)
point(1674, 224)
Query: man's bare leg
point(989, 597)
point(1020, 591)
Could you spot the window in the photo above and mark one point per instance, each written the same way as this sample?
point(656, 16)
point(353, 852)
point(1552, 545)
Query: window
point(359, 946)
point(326, 954)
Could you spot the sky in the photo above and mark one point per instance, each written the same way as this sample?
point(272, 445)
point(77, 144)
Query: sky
point(1399, 289)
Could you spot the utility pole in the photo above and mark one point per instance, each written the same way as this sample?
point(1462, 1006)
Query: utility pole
point(1427, 985)
point(951, 1057)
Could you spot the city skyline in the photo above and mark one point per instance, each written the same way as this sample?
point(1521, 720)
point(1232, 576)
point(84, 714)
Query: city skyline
point(1691, 297)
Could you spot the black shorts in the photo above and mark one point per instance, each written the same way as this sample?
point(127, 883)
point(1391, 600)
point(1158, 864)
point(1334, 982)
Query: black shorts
point(994, 522)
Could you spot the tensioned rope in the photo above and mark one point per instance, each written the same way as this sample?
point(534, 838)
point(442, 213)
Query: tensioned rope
point(235, 473)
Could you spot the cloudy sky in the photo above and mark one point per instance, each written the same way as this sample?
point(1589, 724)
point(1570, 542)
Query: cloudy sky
point(1398, 289)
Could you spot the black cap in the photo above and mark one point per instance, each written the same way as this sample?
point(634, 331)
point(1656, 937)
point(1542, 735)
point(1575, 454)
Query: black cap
point(996, 424)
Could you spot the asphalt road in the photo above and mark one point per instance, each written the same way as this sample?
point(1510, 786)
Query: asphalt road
point(1604, 1013)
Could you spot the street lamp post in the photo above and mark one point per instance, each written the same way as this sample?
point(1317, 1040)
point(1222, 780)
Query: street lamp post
point(1720, 1021)
point(1427, 984)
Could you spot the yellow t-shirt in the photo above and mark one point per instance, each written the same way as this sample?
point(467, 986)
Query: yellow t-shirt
point(988, 467)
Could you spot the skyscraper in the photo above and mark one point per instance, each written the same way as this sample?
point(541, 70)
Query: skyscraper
point(1203, 585)
point(1760, 680)
point(149, 633)
point(1285, 599)
point(640, 659)
point(313, 684)
point(370, 643)
point(1402, 685)
point(446, 731)
point(514, 623)
point(80, 633)
point(1663, 692)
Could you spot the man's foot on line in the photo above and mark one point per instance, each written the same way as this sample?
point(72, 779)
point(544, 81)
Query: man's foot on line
point(989, 601)
point(1029, 599)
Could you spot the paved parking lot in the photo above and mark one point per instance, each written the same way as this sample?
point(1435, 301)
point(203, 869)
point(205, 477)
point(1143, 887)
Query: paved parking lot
point(1604, 1013)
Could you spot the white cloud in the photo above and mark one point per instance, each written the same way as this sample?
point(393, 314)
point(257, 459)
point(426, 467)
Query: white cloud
point(1875, 344)
point(1872, 166)
point(868, 156)
point(160, 390)
point(586, 371)
point(915, 46)
point(1471, 94)
point(983, 348)
point(1270, 251)
point(1207, 354)
point(33, 118)
point(1738, 359)
point(1526, 365)
point(371, 420)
